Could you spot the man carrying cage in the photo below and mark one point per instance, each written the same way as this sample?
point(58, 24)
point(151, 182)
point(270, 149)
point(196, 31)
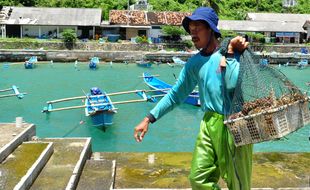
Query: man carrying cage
point(215, 72)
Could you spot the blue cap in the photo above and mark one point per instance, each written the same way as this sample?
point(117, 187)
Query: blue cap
point(206, 14)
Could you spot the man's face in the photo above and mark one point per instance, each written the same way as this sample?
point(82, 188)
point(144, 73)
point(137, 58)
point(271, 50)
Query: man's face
point(200, 33)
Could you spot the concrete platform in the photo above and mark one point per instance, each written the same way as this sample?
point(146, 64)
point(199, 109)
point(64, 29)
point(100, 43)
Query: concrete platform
point(65, 163)
point(66, 167)
point(97, 174)
point(170, 170)
point(16, 169)
point(12, 137)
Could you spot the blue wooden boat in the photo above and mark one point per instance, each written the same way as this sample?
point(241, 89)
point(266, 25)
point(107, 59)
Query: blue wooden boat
point(263, 62)
point(302, 64)
point(143, 63)
point(30, 64)
point(99, 107)
point(93, 64)
point(178, 61)
point(162, 87)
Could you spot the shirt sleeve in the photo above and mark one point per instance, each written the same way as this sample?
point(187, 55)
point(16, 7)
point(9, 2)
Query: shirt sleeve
point(178, 93)
point(232, 72)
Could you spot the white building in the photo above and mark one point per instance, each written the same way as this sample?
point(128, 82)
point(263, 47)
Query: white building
point(287, 28)
point(48, 22)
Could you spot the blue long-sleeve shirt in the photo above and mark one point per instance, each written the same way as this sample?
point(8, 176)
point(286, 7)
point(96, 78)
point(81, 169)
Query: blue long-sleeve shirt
point(204, 71)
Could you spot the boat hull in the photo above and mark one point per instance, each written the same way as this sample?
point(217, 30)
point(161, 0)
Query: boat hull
point(143, 64)
point(102, 118)
point(100, 109)
point(29, 65)
point(93, 64)
point(161, 87)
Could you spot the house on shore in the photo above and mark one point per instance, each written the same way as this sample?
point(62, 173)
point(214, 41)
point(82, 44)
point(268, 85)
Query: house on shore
point(282, 27)
point(148, 23)
point(88, 24)
point(41, 22)
point(274, 31)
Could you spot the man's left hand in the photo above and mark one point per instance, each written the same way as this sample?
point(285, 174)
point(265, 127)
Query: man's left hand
point(237, 44)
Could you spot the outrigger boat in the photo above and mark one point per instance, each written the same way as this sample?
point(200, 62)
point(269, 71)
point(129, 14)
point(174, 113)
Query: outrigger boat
point(30, 64)
point(143, 63)
point(162, 87)
point(93, 64)
point(178, 61)
point(16, 93)
point(99, 106)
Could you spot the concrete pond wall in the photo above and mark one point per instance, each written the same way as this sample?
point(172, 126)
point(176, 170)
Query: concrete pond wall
point(83, 51)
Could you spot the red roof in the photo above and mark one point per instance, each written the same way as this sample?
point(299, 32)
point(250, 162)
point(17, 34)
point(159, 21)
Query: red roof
point(146, 18)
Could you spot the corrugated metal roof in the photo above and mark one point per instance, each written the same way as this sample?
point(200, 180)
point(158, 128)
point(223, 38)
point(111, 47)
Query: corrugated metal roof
point(260, 26)
point(301, 18)
point(55, 16)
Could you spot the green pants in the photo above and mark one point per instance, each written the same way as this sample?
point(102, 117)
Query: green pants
point(215, 155)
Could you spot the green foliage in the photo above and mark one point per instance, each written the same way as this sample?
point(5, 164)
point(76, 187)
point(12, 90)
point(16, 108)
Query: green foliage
point(141, 40)
point(173, 30)
point(188, 43)
point(228, 9)
point(256, 37)
point(228, 33)
point(69, 36)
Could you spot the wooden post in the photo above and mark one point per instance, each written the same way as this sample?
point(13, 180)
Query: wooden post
point(21, 31)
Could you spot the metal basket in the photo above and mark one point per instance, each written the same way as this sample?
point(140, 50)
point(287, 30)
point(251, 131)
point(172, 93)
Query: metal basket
point(269, 125)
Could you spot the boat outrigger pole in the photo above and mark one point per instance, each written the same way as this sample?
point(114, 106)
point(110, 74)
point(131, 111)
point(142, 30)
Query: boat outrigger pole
point(18, 94)
point(141, 93)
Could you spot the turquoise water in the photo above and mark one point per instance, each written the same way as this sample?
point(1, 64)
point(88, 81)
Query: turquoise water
point(175, 132)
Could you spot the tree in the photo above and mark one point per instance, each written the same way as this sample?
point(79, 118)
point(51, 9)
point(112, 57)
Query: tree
point(69, 38)
point(173, 30)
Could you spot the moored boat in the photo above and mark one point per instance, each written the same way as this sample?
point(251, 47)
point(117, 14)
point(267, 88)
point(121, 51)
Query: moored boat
point(162, 87)
point(30, 64)
point(98, 104)
point(143, 63)
point(93, 64)
point(99, 107)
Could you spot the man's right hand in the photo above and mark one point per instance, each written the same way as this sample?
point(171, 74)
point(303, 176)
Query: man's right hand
point(141, 129)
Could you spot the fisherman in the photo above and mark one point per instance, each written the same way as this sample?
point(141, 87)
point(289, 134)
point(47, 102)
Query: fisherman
point(215, 72)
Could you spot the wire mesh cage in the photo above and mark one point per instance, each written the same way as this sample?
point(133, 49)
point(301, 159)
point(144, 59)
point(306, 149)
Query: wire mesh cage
point(265, 104)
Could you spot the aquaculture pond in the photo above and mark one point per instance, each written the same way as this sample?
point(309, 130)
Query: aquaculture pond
point(175, 132)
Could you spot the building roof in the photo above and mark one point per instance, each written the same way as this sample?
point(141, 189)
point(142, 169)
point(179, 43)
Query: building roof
point(54, 16)
point(301, 18)
point(260, 26)
point(146, 18)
